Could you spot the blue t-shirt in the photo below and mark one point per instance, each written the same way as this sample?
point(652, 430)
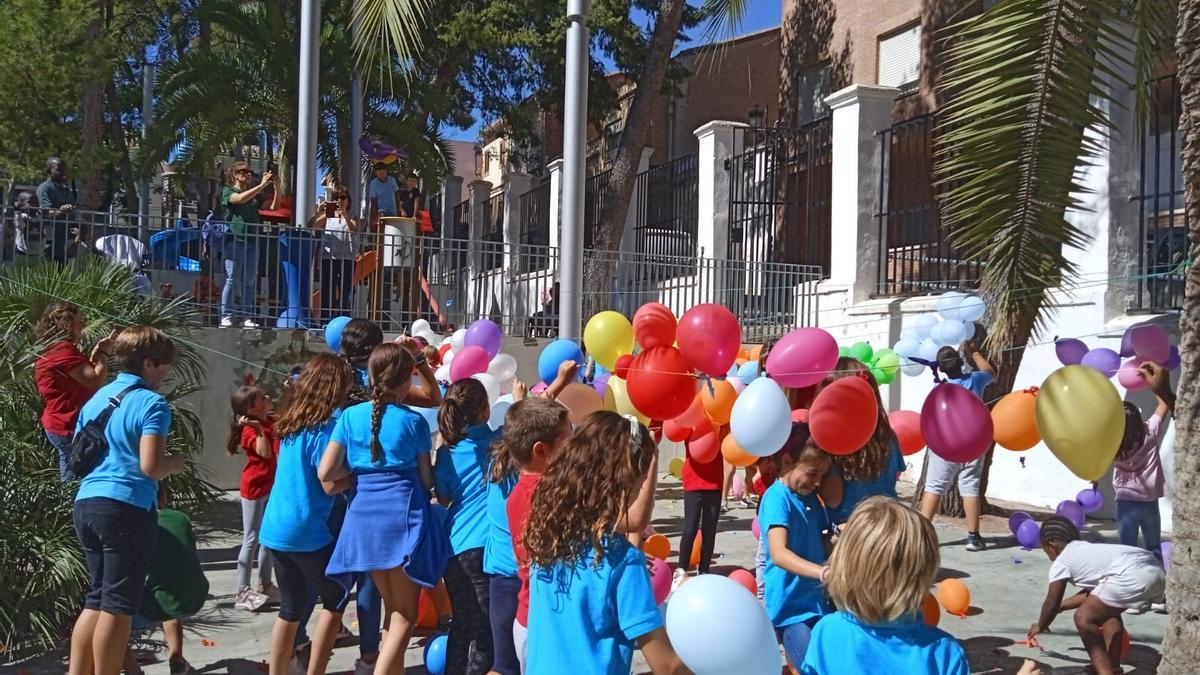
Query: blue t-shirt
point(402, 433)
point(976, 381)
point(143, 412)
point(844, 645)
point(297, 515)
point(498, 558)
point(791, 599)
point(585, 620)
point(459, 475)
point(384, 195)
point(854, 491)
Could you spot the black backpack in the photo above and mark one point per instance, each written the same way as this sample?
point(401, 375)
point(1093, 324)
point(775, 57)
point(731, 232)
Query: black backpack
point(90, 445)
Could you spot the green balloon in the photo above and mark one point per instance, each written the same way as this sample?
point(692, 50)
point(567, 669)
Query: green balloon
point(888, 377)
point(861, 351)
point(843, 351)
point(887, 361)
point(877, 374)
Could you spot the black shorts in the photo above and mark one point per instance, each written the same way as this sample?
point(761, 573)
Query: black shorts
point(118, 544)
point(296, 572)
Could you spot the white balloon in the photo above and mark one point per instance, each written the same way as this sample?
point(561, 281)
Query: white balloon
point(948, 332)
point(428, 336)
point(761, 420)
point(503, 367)
point(907, 347)
point(458, 340)
point(923, 324)
point(489, 383)
point(445, 341)
point(910, 334)
point(499, 410)
point(505, 398)
point(442, 374)
point(718, 628)
point(910, 368)
point(448, 358)
point(420, 326)
point(736, 383)
point(971, 309)
point(928, 350)
point(947, 304)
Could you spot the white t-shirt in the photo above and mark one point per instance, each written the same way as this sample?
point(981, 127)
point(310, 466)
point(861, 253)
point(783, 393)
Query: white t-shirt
point(1086, 565)
point(338, 240)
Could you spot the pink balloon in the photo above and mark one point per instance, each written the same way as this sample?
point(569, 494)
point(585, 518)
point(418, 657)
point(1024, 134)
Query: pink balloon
point(754, 529)
point(956, 425)
point(1129, 377)
point(709, 338)
point(738, 488)
point(470, 361)
point(1150, 342)
point(537, 388)
point(802, 358)
point(660, 579)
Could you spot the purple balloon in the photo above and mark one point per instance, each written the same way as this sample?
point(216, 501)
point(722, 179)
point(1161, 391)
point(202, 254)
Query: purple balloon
point(1072, 511)
point(1029, 534)
point(1070, 351)
point(1165, 548)
point(1102, 359)
point(1151, 342)
point(955, 423)
point(1172, 360)
point(1091, 500)
point(1127, 342)
point(600, 384)
point(1015, 520)
point(485, 334)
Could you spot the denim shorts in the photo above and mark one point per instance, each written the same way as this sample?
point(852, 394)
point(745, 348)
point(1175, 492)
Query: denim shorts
point(118, 544)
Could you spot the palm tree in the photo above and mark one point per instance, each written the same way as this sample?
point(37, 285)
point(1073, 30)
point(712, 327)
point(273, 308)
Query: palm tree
point(41, 567)
point(1027, 83)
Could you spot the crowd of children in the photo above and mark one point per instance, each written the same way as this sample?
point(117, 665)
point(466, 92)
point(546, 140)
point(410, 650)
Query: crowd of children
point(534, 526)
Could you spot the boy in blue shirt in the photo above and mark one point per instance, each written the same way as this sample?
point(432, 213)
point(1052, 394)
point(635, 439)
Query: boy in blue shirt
point(882, 567)
point(793, 524)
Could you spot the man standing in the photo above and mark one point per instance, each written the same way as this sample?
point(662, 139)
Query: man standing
point(57, 201)
point(384, 193)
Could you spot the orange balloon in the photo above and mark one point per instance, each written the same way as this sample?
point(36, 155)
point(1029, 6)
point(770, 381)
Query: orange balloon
point(426, 613)
point(754, 353)
point(745, 580)
point(718, 403)
point(734, 454)
point(696, 550)
point(1014, 421)
point(657, 546)
point(930, 611)
point(954, 596)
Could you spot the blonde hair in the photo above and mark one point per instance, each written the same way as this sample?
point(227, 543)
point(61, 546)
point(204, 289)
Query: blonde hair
point(232, 171)
point(874, 590)
point(135, 344)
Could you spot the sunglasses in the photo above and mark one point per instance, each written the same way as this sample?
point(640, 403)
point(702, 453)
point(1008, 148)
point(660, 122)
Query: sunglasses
point(242, 172)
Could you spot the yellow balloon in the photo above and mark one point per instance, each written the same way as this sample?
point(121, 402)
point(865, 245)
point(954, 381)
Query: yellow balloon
point(616, 399)
point(675, 468)
point(1081, 420)
point(607, 336)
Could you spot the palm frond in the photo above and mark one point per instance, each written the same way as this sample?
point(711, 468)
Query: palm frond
point(383, 28)
point(723, 18)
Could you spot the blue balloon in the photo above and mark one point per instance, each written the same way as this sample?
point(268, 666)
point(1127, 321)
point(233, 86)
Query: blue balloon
point(435, 654)
point(554, 354)
point(748, 372)
point(333, 332)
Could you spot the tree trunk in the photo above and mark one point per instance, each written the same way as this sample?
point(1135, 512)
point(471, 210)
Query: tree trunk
point(1181, 647)
point(117, 131)
point(597, 271)
point(92, 112)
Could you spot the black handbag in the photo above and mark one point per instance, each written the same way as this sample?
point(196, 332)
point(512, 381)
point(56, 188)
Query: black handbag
point(90, 445)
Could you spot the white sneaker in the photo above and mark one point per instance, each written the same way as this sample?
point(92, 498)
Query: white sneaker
point(677, 580)
point(1135, 611)
point(1158, 607)
point(249, 323)
point(250, 600)
point(363, 668)
point(226, 322)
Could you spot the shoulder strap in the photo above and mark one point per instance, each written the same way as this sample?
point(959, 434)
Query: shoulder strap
point(115, 401)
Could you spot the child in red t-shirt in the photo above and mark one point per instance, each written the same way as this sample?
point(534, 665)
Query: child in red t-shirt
point(251, 431)
point(702, 487)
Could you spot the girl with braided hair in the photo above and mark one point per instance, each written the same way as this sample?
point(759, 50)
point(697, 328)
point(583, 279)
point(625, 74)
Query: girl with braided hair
point(391, 531)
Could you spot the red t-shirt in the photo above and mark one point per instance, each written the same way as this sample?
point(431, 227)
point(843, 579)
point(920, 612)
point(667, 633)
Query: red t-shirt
point(259, 473)
point(62, 395)
point(520, 500)
point(698, 476)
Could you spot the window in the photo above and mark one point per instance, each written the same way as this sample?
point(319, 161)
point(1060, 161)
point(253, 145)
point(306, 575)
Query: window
point(812, 87)
point(900, 58)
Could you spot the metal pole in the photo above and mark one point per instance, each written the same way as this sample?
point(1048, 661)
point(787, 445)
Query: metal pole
point(570, 309)
point(147, 119)
point(306, 136)
point(354, 182)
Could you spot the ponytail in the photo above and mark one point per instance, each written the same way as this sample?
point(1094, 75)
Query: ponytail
point(463, 403)
point(241, 402)
point(504, 464)
point(377, 407)
point(233, 442)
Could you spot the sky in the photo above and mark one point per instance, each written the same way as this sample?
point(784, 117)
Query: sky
point(760, 14)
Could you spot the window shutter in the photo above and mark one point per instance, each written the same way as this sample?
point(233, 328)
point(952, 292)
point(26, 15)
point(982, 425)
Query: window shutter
point(900, 58)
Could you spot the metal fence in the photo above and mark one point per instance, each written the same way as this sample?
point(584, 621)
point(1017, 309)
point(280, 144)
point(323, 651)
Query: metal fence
point(667, 208)
point(493, 231)
point(535, 225)
point(781, 185)
point(1162, 218)
point(917, 254)
point(287, 277)
point(595, 197)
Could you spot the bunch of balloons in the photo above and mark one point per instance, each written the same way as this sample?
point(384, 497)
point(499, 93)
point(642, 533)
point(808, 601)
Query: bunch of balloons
point(883, 363)
point(1140, 343)
point(954, 323)
point(1028, 531)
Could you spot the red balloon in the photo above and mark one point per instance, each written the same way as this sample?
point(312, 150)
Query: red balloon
point(844, 415)
point(704, 444)
point(654, 326)
point(693, 416)
point(800, 416)
point(907, 426)
point(675, 431)
point(709, 338)
point(745, 580)
point(661, 384)
point(622, 366)
point(956, 424)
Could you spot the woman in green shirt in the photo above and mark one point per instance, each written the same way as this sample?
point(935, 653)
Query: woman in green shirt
point(239, 206)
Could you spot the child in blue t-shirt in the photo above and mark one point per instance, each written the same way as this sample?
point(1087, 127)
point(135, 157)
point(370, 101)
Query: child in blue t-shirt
point(390, 531)
point(882, 567)
point(794, 525)
point(590, 598)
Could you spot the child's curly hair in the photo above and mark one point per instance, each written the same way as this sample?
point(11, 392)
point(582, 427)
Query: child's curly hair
point(587, 488)
point(869, 462)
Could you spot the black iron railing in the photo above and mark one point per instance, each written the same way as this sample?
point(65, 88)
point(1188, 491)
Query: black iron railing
point(1162, 218)
point(667, 208)
point(493, 232)
point(595, 198)
point(535, 225)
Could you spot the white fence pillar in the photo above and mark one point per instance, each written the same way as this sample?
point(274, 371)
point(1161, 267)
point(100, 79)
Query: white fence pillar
point(859, 111)
point(556, 174)
point(713, 180)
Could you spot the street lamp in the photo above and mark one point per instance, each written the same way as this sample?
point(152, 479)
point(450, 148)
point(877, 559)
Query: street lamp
point(757, 116)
